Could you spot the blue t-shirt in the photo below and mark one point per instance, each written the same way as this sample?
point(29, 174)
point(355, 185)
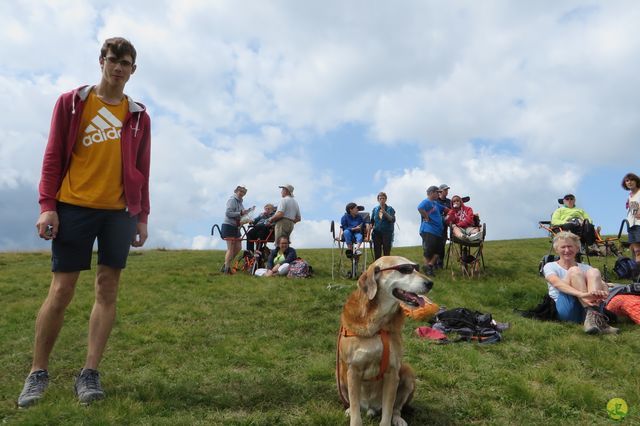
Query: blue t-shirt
point(434, 225)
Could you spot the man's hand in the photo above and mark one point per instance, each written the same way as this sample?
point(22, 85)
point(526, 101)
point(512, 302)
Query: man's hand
point(45, 220)
point(141, 235)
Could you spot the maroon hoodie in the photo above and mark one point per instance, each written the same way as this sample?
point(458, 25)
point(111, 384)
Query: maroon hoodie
point(136, 152)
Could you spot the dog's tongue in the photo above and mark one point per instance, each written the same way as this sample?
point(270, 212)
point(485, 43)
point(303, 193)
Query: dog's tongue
point(412, 297)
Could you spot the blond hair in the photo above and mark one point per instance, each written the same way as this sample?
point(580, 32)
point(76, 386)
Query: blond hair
point(565, 236)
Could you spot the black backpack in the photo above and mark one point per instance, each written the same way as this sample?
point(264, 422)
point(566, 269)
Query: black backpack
point(625, 268)
point(469, 325)
point(545, 311)
point(546, 259)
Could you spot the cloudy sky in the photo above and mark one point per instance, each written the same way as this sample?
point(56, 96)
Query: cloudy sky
point(511, 103)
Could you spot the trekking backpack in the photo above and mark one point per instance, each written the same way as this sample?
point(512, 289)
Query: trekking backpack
point(469, 325)
point(546, 259)
point(545, 311)
point(299, 268)
point(625, 268)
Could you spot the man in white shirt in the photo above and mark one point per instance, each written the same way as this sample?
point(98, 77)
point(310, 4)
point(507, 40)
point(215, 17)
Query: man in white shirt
point(287, 215)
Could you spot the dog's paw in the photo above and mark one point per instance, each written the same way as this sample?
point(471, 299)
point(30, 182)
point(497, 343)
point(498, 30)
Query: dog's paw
point(396, 420)
point(372, 412)
point(346, 413)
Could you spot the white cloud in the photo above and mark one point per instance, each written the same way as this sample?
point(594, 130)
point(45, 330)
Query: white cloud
point(496, 99)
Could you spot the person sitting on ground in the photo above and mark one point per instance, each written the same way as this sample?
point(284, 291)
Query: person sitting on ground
point(281, 258)
point(461, 220)
point(576, 288)
point(352, 227)
point(260, 226)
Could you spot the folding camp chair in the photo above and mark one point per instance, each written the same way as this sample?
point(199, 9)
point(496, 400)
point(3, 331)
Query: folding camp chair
point(246, 261)
point(354, 265)
point(467, 254)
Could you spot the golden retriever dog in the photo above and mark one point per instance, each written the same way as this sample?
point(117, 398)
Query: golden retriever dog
point(369, 369)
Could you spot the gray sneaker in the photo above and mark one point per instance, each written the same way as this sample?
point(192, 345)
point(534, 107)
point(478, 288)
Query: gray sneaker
point(34, 387)
point(87, 386)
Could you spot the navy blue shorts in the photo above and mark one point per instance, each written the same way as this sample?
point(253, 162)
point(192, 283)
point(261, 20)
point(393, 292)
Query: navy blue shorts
point(229, 231)
point(634, 234)
point(72, 248)
point(430, 244)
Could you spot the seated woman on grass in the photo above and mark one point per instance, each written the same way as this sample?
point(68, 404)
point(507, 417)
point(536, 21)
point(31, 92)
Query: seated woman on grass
point(576, 288)
point(281, 258)
point(461, 219)
point(352, 227)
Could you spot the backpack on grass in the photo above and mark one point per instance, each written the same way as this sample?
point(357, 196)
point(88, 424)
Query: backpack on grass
point(545, 311)
point(299, 268)
point(625, 268)
point(469, 325)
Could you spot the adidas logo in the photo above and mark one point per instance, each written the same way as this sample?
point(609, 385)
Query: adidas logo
point(104, 127)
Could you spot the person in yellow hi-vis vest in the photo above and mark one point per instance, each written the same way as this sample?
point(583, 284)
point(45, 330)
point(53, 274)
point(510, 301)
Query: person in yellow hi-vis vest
point(94, 185)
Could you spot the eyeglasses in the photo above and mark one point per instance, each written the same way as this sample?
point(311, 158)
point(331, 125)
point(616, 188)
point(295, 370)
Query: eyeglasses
point(405, 269)
point(115, 61)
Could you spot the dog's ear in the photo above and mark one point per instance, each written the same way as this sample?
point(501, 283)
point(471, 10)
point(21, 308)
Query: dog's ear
point(367, 282)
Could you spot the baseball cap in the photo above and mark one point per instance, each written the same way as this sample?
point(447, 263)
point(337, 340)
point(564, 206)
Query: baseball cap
point(288, 188)
point(432, 189)
point(569, 197)
point(443, 187)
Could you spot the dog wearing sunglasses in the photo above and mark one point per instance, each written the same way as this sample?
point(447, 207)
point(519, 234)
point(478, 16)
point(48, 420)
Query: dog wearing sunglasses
point(369, 371)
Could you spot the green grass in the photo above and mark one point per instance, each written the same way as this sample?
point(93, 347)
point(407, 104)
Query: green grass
point(191, 346)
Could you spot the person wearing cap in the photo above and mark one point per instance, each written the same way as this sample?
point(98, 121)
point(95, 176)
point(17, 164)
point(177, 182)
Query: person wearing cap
point(352, 228)
point(443, 192)
point(287, 214)
point(571, 218)
point(260, 226)
point(568, 212)
point(431, 226)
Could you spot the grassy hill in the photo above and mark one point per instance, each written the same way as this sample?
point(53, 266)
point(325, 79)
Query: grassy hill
point(192, 346)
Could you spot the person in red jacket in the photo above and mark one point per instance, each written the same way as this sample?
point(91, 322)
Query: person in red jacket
point(461, 220)
point(94, 185)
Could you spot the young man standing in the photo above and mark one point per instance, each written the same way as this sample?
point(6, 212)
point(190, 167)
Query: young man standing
point(287, 215)
point(443, 199)
point(430, 229)
point(94, 185)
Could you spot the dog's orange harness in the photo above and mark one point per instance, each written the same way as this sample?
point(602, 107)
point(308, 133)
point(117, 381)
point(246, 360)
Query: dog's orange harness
point(384, 361)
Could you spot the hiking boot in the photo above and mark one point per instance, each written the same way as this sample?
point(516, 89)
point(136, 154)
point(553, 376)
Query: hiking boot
point(34, 386)
point(358, 252)
point(87, 386)
point(349, 253)
point(603, 324)
point(591, 322)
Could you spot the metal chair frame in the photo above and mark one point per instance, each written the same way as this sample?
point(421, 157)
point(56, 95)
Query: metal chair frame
point(469, 254)
point(357, 264)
